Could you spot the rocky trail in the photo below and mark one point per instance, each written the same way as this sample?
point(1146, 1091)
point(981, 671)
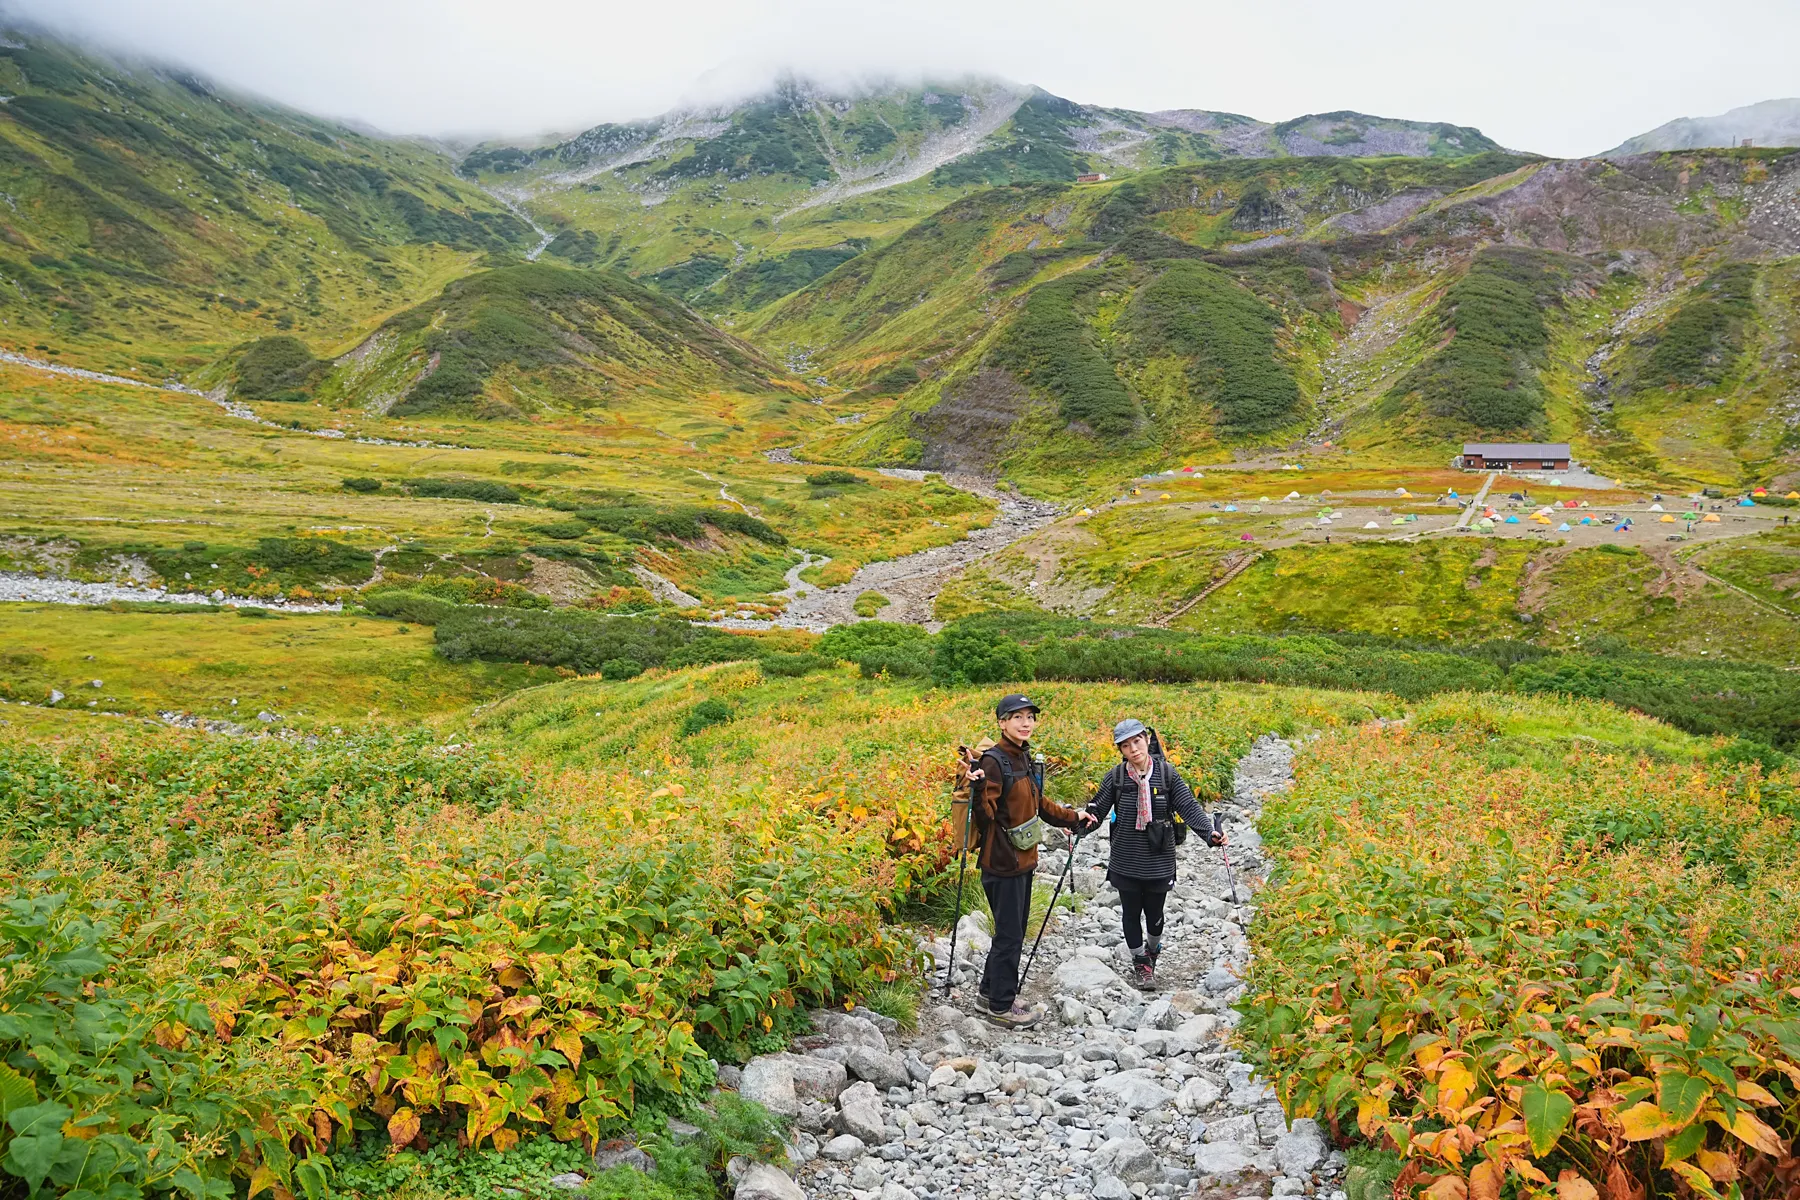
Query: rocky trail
point(912, 581)
point(1117, 1094)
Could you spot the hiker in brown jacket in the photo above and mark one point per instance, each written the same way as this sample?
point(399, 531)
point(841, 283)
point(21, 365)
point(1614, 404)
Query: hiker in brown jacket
point(1010, 808)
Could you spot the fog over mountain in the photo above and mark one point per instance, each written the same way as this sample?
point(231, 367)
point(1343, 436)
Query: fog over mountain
point(473, 69)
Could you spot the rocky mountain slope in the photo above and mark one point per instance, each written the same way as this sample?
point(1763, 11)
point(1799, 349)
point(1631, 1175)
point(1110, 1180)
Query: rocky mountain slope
point(1769, 123)
point(1644, 310)
point(708, 195)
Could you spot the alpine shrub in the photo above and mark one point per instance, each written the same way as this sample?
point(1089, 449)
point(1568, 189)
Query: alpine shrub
point(704, 716)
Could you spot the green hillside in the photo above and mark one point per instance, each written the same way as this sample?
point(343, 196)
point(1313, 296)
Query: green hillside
point(518, 340)
point(152, 222)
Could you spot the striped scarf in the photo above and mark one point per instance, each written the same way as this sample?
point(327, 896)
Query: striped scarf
point(1143, 785)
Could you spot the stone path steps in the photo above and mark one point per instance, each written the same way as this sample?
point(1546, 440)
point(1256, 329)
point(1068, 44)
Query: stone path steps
point(1116, 1094)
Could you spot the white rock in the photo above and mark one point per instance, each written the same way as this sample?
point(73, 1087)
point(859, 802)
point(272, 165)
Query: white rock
point(1111, 1187)
point(815, 1077)
point(1083, 976)
point(1136, 1090)
point(843, 1148)
point(1197, 1095)
point(1160, 1014)
point(763, 1182)
point(1128, 1158)
point(985, 1077)
point(972, 932)
point(882, 1070)
point(1221, 1158)
point(769, 1081)
point(1240, 1129)
point(893, 1191)
point(1301, 1149)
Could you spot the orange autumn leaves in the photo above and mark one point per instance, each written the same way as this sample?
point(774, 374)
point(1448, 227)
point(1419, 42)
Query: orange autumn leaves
point(1564, 973)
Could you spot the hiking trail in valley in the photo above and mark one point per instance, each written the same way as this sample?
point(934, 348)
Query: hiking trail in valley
point(1117, 1094)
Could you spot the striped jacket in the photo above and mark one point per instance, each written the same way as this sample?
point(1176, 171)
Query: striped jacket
point(1132, 858)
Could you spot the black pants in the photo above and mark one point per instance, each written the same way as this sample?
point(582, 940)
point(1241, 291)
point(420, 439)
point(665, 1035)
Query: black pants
point(1141, 904)
point(1010, 898)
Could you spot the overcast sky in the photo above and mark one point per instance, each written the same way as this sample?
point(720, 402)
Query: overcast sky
point(1563, 77)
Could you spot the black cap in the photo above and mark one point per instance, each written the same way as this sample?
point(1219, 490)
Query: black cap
point(1012, 704)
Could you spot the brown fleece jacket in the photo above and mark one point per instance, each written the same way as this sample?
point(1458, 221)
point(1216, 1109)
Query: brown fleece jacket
point(997, 814)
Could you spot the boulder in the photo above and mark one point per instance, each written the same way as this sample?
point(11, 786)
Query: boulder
point(1160, 1014)
point(881, 1069)
point(816, 1077)
point(1197, 1095)
point(984, 1078)
point(1219, 980)
point(622, 1152)
point(1084, 976)
point(763, 1182)
point(893, 1191)
point(1221, 1158)
point(1128, 1158)
point(1111, 1187)
point(1301, 1149)
point(847, 1030)
point(1240, 1129)
point(861, 1113)
point(1136, 1091)
point(1037, 1056)
point(569, 1181)
point(843, 1148)
point(769, 1080)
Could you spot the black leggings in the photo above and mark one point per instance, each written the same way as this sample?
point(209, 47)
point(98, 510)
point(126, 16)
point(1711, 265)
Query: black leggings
point(1141, 902)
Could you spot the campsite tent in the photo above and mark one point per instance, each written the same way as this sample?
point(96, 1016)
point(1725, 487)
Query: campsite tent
point(1512, 520)
point(1563, 528)
point(1656, 508)
point(1371, 525)
point(1485, 523)
point(1231, 508)
point(1398, 521)
point(1710, 517)
point(1164, 496)
point(1256, 508)
point(1793, 495)
point(1587, 520)
point(1292, 496)
point(1667, 519)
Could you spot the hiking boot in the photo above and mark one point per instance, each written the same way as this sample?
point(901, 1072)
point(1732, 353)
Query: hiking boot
point(983, 1005)
point(1143, 973)
point(1016, 1017)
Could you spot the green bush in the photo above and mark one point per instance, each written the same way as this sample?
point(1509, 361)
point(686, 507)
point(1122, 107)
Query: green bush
point(416, 607)
point(877, 647)
point(1050, 347)
point(565, 530)
point(704, 716)
point(621, 668)
point(1704, 340)
point(96, 1103)
point(276, 368)
point(1199, 312)
point(577, 640)
point(464, 489)
point(1487, 376)
point(971, 655)
point(833, 478)
point(362, 485)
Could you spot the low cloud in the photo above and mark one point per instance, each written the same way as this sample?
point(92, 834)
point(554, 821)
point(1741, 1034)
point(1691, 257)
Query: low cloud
point(1557, 76)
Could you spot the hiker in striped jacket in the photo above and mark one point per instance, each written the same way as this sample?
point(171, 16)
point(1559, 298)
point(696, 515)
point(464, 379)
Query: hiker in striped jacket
point(1142, 793)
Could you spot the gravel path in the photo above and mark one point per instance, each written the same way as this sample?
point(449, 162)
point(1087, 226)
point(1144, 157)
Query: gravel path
point(911, 581)
point(31, 589)
point(1117, 1094)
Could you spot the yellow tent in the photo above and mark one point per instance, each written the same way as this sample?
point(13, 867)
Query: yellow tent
point(1164, 496)
point(1710, 517)
point(1793, 495)
point(1667, 519)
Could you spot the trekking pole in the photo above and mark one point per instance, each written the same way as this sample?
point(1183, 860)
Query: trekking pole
point(1219, 823)
point(1060, 879)
point(962, 857)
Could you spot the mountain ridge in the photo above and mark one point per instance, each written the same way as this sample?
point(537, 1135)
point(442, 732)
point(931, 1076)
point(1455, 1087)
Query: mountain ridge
point(1767, 123)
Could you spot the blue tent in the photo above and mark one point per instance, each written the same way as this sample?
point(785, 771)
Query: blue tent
point(1512, 520)
point(1563, 528)
point(1231, 508)
point(1746, 502)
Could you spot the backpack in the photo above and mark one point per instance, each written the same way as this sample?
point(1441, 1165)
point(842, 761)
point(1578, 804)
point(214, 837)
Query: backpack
point(964, 836)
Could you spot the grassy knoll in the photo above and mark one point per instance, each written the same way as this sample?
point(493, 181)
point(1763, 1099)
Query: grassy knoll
point(311, 671)
point(1514, 942)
